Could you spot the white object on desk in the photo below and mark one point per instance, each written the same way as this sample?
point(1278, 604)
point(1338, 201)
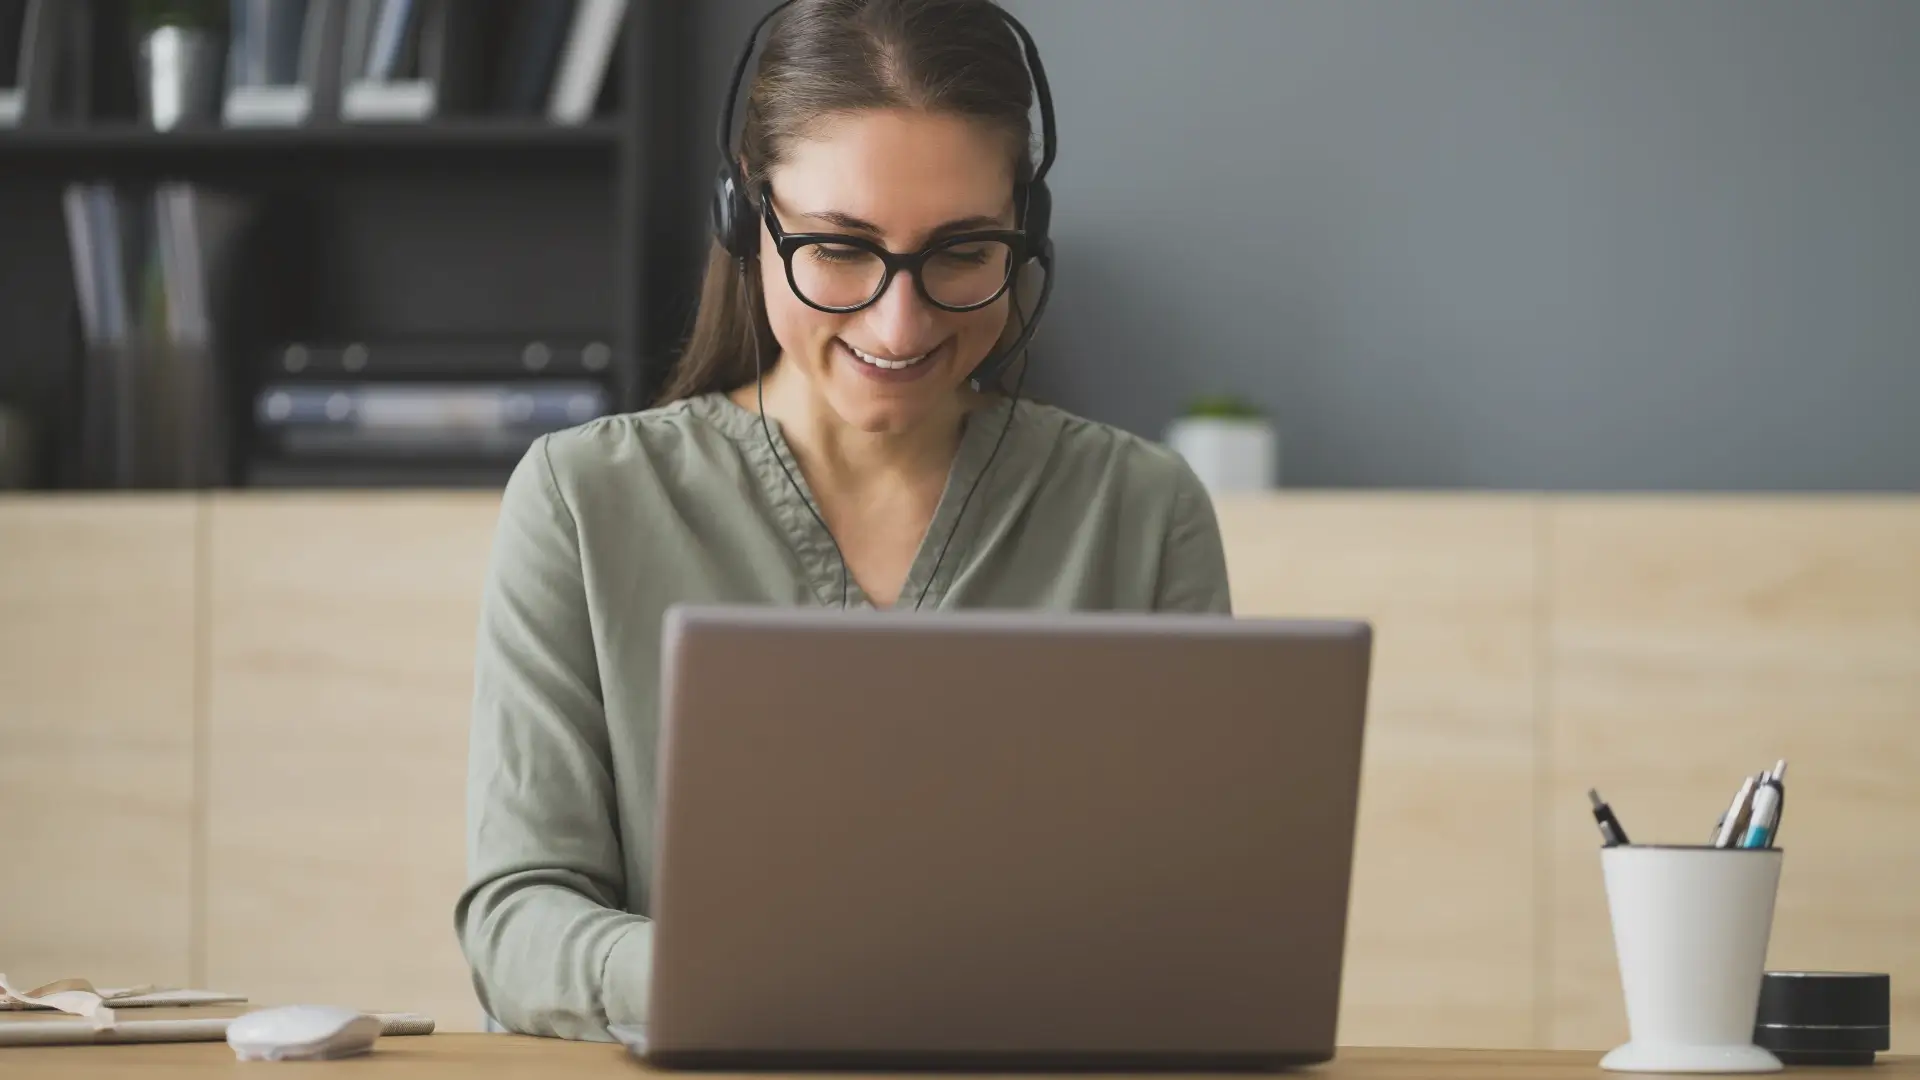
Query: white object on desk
point(302, 1033)
point(1228, 454)
point(1690, 929)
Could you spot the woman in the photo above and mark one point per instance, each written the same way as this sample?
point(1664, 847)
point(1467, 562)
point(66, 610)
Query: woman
point(860, 467)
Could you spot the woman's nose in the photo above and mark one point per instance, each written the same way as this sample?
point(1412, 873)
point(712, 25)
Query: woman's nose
point(901, 321)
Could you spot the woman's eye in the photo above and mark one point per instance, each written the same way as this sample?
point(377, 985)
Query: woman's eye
point(970, 254)
point(836, 253)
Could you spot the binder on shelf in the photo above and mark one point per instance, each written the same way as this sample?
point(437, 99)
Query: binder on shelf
point(410, 60)
point(199, 234)
point(96, 224)
point(153, 273)
point(589, 53)
point(282, 62)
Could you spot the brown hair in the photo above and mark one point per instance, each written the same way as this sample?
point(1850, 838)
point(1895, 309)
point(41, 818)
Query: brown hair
point(828, 57)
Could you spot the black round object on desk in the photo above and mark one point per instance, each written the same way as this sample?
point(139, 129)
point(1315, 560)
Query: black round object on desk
point(1823, 1017)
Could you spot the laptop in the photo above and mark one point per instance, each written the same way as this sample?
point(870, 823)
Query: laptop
point(1002, 840)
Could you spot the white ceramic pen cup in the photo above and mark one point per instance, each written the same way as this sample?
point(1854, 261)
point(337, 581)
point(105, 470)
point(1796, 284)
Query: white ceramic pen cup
point(1690, 930)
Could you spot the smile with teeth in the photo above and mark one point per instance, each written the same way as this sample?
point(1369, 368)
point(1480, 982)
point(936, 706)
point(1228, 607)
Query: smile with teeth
point(883, 362)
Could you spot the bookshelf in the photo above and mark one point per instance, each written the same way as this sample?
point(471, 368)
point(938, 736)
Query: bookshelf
point(431, 251)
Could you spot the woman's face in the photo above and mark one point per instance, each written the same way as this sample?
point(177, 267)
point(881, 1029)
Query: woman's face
point(902, 178)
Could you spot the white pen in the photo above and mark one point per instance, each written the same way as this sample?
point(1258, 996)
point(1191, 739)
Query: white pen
point(1735, 818)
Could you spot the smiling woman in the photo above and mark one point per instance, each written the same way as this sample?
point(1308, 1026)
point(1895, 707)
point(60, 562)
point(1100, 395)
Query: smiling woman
point(835, 433)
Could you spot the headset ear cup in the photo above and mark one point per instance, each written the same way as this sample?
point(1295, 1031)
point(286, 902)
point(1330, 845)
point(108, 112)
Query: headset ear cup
point(733, 219)
point(1039, 217)
point(720, 209)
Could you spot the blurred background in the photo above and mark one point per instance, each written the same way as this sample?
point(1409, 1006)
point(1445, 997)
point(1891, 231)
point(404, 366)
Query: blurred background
point(1576, 344)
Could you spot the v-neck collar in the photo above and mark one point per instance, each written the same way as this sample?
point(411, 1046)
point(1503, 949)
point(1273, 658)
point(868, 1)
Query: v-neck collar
point(767, 450)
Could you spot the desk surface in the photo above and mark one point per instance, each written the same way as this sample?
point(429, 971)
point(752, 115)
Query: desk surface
point(498, 1057)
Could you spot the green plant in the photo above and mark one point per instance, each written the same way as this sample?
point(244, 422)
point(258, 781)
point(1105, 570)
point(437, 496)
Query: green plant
point(1224, 407)
point(197, 14)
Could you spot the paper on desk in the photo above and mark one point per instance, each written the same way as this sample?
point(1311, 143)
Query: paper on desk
point(199, 1023)
point(81, 998)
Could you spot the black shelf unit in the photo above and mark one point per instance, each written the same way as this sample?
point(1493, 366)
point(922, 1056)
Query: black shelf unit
point(472, 225)
point(113, 143)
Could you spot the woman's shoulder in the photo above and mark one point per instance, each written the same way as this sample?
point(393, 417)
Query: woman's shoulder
point(668, 440)
point(1092, 451)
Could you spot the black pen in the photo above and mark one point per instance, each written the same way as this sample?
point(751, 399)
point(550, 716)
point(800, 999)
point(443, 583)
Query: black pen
point(1610, 831)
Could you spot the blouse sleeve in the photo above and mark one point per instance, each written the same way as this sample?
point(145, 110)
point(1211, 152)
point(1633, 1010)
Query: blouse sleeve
point(1193, 564)
point(551, 951)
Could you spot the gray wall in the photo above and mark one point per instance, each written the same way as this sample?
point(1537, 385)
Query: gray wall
point(1563, 244)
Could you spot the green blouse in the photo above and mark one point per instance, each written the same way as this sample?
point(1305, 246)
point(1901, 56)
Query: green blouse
point(604, 526)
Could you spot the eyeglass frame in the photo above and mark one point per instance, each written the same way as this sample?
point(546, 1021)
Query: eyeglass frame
point(787, 243)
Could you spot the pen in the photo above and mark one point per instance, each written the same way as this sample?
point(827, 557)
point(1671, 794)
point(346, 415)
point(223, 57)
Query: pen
point(1780, 811)
point(1611, 834)
point(1764, 822)
point(1735, 819)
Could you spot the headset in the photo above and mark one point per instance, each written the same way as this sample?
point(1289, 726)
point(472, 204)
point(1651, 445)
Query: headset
point(736, 227)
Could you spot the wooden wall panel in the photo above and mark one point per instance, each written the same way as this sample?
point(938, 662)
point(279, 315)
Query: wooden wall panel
point(342, 672)
point(1694, 640)
point(97, 685)
point(1441, 941)
point(1527, 648)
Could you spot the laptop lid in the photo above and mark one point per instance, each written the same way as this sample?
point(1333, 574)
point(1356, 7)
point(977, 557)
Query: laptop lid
point(1002, 839)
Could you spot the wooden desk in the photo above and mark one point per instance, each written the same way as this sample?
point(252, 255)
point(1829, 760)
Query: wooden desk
point(500, 1057)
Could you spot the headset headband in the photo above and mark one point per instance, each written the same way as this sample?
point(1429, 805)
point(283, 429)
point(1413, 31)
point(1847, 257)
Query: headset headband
point(1035, 70)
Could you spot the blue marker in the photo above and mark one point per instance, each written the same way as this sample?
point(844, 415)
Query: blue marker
point(1765, 819)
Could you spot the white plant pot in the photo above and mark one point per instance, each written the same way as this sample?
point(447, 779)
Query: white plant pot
point(1228, 454)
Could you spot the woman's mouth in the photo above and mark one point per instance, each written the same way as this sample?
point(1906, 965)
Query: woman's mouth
point(890, 363)
point(888, 367)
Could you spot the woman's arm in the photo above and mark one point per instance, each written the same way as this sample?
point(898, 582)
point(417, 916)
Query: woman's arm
point(540, 920)
point(1193, 562)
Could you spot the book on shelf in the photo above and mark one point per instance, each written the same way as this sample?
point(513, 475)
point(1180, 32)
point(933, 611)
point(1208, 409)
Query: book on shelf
point(402, 412)
point(393, 45)
point(296, 62)
point(13, 52)
point(418, 59)
point(44, 69)
point(278, 70)
point(268, 38)
point(412, 60)
point(589, 53)
point(411, 425)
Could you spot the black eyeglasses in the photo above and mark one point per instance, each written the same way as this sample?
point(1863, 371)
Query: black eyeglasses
point(840, 272)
